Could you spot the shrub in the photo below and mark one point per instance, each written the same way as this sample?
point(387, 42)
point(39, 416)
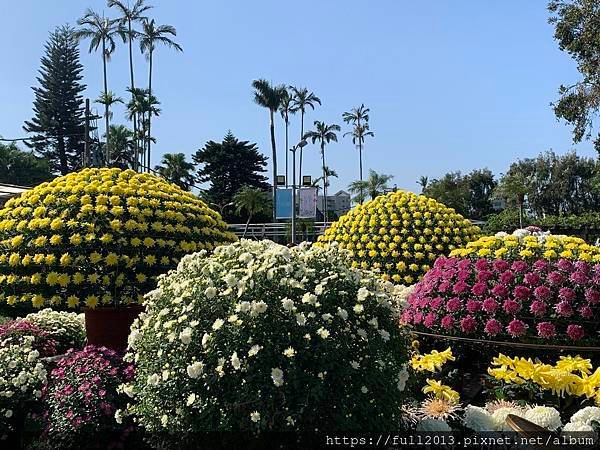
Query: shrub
point(21, 378)
point(66, 328)
point(401, 234)
point(527, 287)
point(262, 337)
point(15, 332)
point(81, 397)
point(99, 236)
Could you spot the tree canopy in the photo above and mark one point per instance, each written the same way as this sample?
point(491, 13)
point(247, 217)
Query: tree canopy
point(22, 168)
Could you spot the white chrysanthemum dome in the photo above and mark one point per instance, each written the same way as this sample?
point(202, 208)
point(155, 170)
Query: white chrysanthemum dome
point(478, 419)
point(587, 415)
point(544, 416)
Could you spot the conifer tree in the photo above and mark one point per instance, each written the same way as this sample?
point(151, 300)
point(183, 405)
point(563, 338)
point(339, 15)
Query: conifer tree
point(58, 104)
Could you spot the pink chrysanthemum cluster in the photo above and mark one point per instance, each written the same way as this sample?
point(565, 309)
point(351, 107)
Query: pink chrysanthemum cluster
point(14, 331)
point(538, 300)
point(82, 396)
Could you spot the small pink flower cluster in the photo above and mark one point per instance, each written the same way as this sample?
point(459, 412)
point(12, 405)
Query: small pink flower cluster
point(81, 395)
point(501, 299)
point(13, 332)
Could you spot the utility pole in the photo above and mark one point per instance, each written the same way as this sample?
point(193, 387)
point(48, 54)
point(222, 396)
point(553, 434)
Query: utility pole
point(299, 145)
point(86, 152)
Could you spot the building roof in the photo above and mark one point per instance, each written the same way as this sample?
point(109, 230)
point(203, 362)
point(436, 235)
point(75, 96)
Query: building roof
point(11, 190)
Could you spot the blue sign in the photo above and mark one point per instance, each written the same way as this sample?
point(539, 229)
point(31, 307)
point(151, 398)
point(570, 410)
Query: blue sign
point(284, 204)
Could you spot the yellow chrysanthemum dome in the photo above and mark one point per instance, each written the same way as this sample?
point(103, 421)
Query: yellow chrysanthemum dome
point(401, 234)
point(529, 243)
point(99, 236)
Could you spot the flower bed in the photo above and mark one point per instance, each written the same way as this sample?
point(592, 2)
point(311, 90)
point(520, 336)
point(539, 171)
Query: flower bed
point(99, 237)
point(528, 287)
point(262, 337)
point(401, 234)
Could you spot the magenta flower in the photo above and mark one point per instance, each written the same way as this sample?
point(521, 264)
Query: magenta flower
point(468, 324)
point(500, 290)
point(579, 278)
point(417, 318)
point(532, 279)
point(565, 265)
point(430, 320)
point(546, 330)
point(575, 332)
point(453, 305)
point(484, 276)
point(538, 308)
point(586, 312)
point(479, 289)
point(517, 328)
point(540, 265)
point(555, 278)
point(473, 306)
point(460, 287)
point(519, 266)
point(500, 265)
point(568, 294)
point(542, 293)
point(522, 292)
point(447, 322)
point(444, 286)
point(482, 264)
point(489, 305)
point(592, 296)
point(507, 277)
point(493, 327)
point(564, 309)
point(511, 306)
point(582, 266)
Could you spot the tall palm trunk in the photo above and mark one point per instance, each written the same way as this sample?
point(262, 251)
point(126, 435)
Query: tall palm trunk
point(301, 137)
point(150, 112)
point(247, 225)
point(287, 150)
point(106, 119)
point(324, 183)
point(134, 118)
point(274, 148)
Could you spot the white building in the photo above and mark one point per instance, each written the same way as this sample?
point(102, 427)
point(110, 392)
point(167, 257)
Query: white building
point(338, 203)
point(10, 190)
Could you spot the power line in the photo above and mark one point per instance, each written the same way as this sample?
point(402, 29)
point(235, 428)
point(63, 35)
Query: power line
point(38, 138)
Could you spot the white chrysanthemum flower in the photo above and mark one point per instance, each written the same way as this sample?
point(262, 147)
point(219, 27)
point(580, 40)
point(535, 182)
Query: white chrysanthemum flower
point(287, 304)
point(119, 416)
point(433, 426)
point(478, 419)
point(153, 379)
point(210, 292)
point(191, 399)
point(186, 336)
point(358, 308)
point(217, 324)
point(309, 298)
point(255, 416)
point(235, 361)
point(364, 390)
point(301, 319)
point(577, 427)
point(277, 376)
point(587, 415)
point(342, 313)
point(254, 350)
point(362, 294)
point(544, 416)
point(384, 335)
point(289, 352)
point(195, 370)
point(354, 364)
point(499, 417)
point(323, 333)
point(403, 377)
point(205, 339)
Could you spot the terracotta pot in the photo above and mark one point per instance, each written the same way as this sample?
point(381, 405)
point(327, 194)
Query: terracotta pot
point(109, 326)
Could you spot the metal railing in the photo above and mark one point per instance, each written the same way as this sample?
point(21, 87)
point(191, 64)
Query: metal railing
point(280, 231)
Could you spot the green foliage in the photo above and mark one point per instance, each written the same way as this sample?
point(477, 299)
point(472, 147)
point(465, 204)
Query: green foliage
point(22, 168)
point(251, 201)
point(552, 185)
point(58, 104)
point(176, 169)
point(470, 195)
point(227, 166)
point(376, 184)
point(577, 25)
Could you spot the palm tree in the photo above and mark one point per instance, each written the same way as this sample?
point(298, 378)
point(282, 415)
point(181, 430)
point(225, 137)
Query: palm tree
point(270, 97)
point(108, 99)
point(122, 145)
point(376, 184)
point(359, 117)
point(423, 182)
point(129, 16)
point(301, 99)
point(324, 134)
point(143, 106)
point(329, 173)
point(285, 109)
point(150, 36)
point(177, 170)
point(101, 32)
point(252, 201)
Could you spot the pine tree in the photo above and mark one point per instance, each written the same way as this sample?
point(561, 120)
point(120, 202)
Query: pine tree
point(58, 105)
point(229, 166)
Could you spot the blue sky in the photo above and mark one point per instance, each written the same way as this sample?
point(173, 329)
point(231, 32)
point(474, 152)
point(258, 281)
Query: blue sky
point(451, 85)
